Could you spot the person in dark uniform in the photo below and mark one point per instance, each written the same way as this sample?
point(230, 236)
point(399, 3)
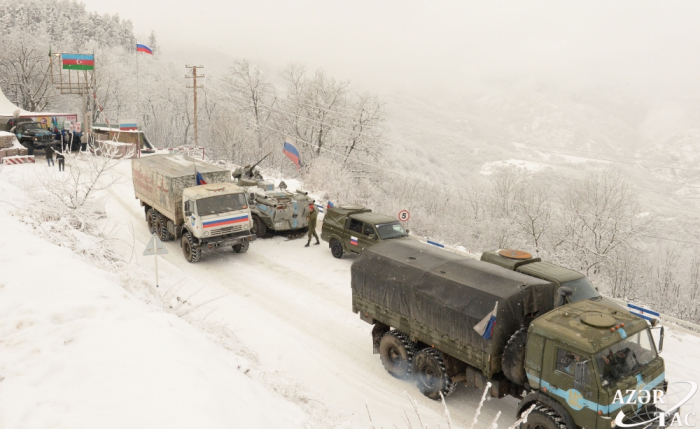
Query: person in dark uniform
point(312, 224)
point(61, 161)
point(49, 154)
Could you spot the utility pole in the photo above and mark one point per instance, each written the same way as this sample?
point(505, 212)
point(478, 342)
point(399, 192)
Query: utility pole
point(194, 86)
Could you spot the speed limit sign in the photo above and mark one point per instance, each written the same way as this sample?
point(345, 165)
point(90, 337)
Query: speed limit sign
point(404, 215)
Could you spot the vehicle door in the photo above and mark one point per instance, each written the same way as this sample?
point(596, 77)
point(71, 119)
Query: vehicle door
point(353, 234)
point(558, 371)
point(369, 236)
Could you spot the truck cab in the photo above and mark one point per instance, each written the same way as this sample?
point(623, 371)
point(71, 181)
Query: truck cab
point(578, 356)
point(353, 228)
point(217, 209)
point(31, 135)
point(579, 287)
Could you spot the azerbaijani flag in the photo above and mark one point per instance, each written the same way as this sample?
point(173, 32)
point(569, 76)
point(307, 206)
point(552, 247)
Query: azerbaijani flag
point(143, 48)
point(128, 126)
point(78, 61)
point(292, 153)
point(485, 327)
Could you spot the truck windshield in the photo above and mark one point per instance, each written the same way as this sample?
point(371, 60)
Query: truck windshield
point(626, 357)
point(29, 126)
point(221, 204)
point(583, 289)
point(390, 230)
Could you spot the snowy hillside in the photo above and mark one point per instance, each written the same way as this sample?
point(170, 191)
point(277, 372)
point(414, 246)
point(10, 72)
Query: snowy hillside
point(82, 346)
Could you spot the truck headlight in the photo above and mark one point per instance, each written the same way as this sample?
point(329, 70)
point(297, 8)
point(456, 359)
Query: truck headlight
point(35, 139)
point(206, 233)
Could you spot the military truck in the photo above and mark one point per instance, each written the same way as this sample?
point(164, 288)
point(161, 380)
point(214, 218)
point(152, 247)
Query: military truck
point(353, 228)
point(273, 209)
point(31, 135)
point(212, 214)
point(441, 318)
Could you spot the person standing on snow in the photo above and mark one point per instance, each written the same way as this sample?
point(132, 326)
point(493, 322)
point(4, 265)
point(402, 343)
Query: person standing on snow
point(49, 155)
point(61, 161)
point(312, 224)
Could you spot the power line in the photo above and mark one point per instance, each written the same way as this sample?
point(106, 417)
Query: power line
point(480, 193)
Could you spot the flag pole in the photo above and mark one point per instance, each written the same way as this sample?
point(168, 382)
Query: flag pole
point(138, 93)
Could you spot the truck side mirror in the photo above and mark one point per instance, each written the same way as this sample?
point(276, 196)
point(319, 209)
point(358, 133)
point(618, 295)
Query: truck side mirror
point(580, 374)
point(372, 237)
point(564, 293)
point(661, 337)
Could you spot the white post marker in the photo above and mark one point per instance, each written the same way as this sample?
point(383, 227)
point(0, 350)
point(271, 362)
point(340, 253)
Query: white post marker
point(155, 247)
point(404, 215)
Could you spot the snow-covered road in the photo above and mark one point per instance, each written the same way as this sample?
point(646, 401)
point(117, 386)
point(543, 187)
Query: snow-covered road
point(292, 305)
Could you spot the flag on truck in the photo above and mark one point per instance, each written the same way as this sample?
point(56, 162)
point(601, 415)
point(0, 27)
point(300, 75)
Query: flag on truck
point(485, 327)
point(78, 61)
point(143, 48)
point(292, 153)
point(200, 179)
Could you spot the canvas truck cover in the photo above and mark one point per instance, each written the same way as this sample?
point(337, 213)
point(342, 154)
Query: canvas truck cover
point(449, 293)
point(160, 179)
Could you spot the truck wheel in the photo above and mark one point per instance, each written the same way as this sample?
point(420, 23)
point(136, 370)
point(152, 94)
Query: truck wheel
point(336, 248)
point(513, 360)
point(151, 221)
point(190, 249)
point(543, 417)
point(241, 248)
point(259, 227)
point(161, 227)
point(431, 374)
point(396, 352)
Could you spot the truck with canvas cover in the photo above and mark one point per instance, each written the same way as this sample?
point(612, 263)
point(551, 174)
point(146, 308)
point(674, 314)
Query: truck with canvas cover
point(353, 228)
point(441, 318)
point(273, 209)
point(575, 284)
point(212, 214)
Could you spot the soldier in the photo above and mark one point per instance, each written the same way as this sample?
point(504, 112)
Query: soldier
point(61, 161)
point(49, 154)
point(312, 224)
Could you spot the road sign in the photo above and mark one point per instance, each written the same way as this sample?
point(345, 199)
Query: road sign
point(155, 247)
point(404, 215)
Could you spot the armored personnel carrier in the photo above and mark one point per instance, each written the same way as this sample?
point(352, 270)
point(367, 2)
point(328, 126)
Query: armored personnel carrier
point(273, 209)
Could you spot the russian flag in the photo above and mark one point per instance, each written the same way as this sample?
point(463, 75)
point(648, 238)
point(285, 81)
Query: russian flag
point(292, 153)
point(200, 179)
point(485, 327)
point(143, 48)
point(353, 240)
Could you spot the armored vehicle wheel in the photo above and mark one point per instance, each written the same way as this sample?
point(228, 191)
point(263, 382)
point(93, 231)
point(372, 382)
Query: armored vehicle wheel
point(336, 248)
point(150, 220)
point(259, 227)
point(396, 352)
point(431, 374)
point(543, 417)
point(241, 248)
point(161, 227)
point(190, 249)
point(513, 360)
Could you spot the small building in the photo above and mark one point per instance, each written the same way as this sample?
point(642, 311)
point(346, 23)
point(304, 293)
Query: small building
point(135, 137)
point(9, 113)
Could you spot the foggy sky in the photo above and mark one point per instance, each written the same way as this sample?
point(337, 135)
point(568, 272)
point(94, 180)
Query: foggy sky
point(391, 45)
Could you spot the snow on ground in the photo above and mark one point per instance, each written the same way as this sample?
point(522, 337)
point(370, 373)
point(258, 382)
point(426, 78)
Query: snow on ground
point(290, 305)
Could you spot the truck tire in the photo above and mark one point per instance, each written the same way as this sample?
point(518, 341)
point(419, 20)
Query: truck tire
point(396, 352)
point(259, 227)
point(241, 248)
point(543, 417)
point(151, 220)
point(513, 360)
point(431, 374)
point(161, 227)
point(336, 248)
point(190, 249)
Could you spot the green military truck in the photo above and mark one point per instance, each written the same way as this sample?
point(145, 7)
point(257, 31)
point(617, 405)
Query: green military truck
point(441, 318)
point(353, 228)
